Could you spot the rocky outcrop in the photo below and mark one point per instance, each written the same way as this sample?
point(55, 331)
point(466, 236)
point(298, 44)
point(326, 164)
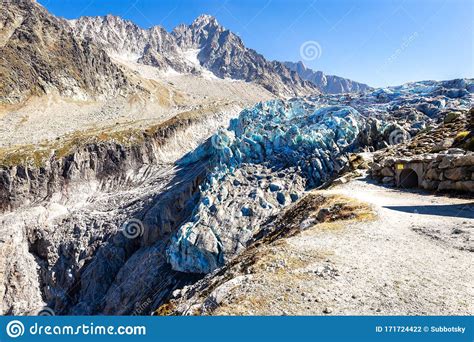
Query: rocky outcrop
point(58, 172)
point(432, 160)
point(328, 84)
point(100, 247)
point(40, 54)
point(106, 256)
point(61, 178)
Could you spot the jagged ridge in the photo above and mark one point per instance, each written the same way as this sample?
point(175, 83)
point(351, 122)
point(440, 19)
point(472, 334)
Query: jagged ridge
point(328, 84)
point(214, 47)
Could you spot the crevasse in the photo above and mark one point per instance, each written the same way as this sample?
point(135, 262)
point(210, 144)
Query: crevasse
point(272, 137)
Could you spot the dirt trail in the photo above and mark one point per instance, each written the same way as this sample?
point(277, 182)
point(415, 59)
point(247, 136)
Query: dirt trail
point(407, 261)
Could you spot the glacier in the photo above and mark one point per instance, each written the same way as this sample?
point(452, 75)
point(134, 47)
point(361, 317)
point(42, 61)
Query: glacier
point(273, 152)
point(266, 158)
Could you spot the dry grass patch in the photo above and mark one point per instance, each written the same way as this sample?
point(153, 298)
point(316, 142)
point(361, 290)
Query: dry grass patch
point(124, 134)
point(165, 310)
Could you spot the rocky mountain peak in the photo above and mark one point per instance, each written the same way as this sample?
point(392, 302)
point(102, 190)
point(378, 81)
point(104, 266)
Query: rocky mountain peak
point(199, 33)
point(205, 20)
point(113, 18)
point(204, 42)
point(300, 66)
point(224, 54)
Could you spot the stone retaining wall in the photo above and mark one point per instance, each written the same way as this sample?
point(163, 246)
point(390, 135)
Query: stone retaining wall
point(450, 170)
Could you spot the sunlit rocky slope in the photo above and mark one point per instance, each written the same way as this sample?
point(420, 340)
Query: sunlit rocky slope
point(136, 162)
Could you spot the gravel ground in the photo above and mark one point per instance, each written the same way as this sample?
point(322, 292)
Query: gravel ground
point(388, 266)
point(385, 266)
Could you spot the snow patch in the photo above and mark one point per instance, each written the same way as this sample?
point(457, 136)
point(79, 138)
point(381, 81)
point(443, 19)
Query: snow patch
point(125, 56)
point(191, 57)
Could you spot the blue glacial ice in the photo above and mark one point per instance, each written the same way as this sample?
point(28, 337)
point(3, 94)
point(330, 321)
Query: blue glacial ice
point(273, 152)
point(283, 134)
point(262, 162)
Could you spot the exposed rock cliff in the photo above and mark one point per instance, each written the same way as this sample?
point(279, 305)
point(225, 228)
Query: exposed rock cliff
point(87, 226)
point(39, 54)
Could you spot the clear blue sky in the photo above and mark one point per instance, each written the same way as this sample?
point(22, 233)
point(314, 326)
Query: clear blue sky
point(379, 42)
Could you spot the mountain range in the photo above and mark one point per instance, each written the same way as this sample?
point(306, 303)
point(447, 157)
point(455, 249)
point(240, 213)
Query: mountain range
point(77, 58)
point(328, 84)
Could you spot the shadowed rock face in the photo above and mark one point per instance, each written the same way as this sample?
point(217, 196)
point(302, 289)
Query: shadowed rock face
point(40, 54)
point(72, 250)
point(328, 84)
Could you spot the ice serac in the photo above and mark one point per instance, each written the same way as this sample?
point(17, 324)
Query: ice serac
point(328, 84)
point(268, 156)
point(273, 152)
